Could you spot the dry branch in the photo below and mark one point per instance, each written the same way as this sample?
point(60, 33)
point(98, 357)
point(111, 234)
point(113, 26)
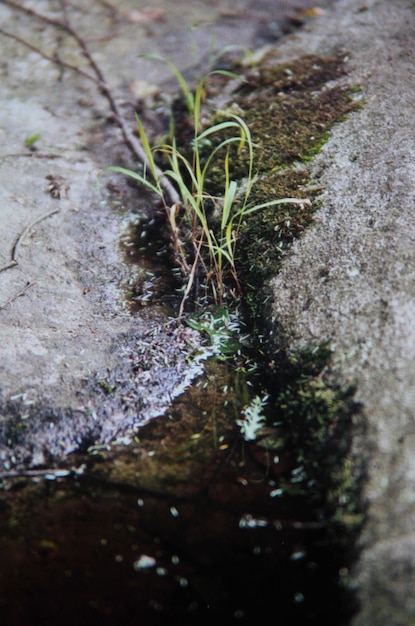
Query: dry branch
point(27, 229)
point(98, 78)
point(13, 261)
point(16, 295)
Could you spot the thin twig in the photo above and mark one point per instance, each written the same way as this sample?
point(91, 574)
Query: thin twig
point(131, 140)
point(27, 229)
point(3, 268)
point(32, 155)
point(43, 54)
point(13, 261)
point(19, 293)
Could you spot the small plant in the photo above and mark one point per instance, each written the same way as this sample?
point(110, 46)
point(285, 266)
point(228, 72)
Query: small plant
point(253, 418)
point(202, 244)
point(30, 141)
point(223, 330)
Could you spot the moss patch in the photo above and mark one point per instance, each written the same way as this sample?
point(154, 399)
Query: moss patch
point(318, 417)
point(290, 109)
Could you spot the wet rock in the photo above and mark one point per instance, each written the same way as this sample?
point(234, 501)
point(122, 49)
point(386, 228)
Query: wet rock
point(350, 280)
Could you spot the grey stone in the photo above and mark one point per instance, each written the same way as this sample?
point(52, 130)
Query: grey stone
point(350, 280)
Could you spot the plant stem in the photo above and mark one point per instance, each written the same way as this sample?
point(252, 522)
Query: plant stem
point(133, 143)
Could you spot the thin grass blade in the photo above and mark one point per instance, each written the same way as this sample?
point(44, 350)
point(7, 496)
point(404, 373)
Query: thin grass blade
point(257, 207)
point(179, 77)
point(141, 179)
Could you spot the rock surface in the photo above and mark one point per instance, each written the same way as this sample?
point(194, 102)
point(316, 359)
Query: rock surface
point(65, 331)
point(350, 281)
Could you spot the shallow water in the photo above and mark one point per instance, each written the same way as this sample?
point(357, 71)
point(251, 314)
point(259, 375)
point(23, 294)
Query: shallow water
point(188, 522)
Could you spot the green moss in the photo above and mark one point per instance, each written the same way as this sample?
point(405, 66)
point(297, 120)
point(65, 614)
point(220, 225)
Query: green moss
point(290, 109)
point(317, 416)
point(105, 386)
point(266, 236)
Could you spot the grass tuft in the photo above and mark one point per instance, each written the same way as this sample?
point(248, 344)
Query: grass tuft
point(204, 247)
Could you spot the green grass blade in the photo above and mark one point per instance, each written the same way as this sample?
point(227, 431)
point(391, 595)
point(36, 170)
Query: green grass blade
point(230, 240)
point(231, 188)
point(246, 140)
point(198, 105)
point(217, 128)
point(141, 179)
point(231, 48)
point(199, 92)
point(175, 159)
point(147, 149)
point(179, 77)
point(228, 74)
point(257, 207)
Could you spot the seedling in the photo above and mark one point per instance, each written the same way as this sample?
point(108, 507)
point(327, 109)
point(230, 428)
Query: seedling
point(203, 246)
point(30, 141)
point(253, 418)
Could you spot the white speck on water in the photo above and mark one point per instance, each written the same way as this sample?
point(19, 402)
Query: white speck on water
point(144, 562)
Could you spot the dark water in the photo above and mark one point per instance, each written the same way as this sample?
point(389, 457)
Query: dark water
point(187, 523)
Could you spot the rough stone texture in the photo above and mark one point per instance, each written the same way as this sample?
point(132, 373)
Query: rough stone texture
point(351, 280)
point(69, 328)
